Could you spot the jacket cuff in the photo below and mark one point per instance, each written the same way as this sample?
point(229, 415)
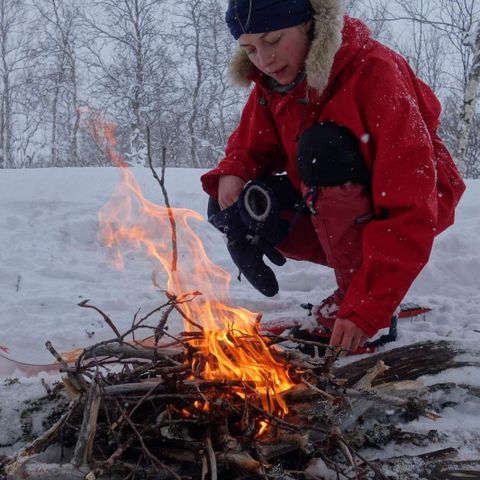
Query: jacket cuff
point(210, 179)
point(367, 314)
point(210, 182)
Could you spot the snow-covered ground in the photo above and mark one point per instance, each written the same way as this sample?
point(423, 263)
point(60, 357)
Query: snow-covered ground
point(52, 258)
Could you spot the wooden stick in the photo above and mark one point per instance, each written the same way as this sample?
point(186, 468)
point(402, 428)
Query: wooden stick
point(149, 454)
point(77, 381)
point(57, 356)
point(343, 446)
point(159, 329)
point(161, 182)
point(386, 399)
point(319, 391)
point(300, 440)
point(108, 321)
point(114, 349)
point(138, 387)
point(83, 448)
point(94, 474)
point(211, 455)
point(242, 460)
point(379, 473)
point(204, 467)
point(377, 370)
point(172, 297)
point(279, 339)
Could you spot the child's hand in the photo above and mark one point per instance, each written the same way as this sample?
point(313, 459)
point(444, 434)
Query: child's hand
point(347, 335)
point(229, 188)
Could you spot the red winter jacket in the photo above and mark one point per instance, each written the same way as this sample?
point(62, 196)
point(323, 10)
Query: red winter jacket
point(372, 91)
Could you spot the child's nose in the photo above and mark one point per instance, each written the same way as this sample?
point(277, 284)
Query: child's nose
point(267, 58)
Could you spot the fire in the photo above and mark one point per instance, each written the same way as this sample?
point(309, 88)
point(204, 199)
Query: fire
point(263, 427)
point(201, 406)
point(233, 349)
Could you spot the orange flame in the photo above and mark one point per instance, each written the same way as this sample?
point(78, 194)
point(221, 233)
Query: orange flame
point(263, 427)
point(232, 348)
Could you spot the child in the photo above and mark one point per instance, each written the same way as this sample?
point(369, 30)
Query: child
point(356, 133)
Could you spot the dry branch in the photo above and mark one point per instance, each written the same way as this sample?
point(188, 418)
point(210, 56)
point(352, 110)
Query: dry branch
point(83, 449)
point(108, 321)
point(161, 182)
point(125, 351)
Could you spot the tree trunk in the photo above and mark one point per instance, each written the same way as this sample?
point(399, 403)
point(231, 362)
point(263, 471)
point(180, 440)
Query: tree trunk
point(2, 133)
point(53, 137)
point(470, 100)
point(196, 91)
point(7, 114)
point(76, 114)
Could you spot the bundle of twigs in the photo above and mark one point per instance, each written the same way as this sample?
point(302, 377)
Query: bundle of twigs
point(144, 410)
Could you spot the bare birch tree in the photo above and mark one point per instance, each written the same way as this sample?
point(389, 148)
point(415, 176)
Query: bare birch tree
point(191, 29)
point(470, 101)
point(131, 67)
point(222, 102)
point(458, 23)
point(60, 20)
point(12, 61)
point(212, 103)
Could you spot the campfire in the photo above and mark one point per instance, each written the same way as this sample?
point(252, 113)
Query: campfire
point(217, 400)
point(228, 345)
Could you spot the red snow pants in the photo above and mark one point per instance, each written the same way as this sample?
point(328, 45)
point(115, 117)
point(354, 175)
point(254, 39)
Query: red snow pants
point(333, 236)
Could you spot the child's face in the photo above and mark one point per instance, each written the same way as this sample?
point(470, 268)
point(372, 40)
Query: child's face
point(280, 54)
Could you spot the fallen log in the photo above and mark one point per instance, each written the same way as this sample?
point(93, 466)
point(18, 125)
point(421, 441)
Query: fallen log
point(411, 362)
point(435, 465)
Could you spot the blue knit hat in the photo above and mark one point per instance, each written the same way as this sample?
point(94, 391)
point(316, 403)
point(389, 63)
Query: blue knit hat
point(259, 16)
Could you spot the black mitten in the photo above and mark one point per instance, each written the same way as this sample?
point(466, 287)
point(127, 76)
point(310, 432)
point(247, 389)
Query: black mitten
point(260, 211)
point(253, 226)
point(249, 260)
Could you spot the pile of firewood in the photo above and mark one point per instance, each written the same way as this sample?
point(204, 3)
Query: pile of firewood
point(144, 411)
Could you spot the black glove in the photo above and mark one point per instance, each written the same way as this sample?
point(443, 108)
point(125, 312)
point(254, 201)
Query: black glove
point(253, 227)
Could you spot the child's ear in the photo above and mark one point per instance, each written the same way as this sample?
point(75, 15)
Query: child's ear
point(308, 25)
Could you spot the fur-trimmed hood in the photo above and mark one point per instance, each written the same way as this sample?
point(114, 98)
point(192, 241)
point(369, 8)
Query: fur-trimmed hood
point(328, 24)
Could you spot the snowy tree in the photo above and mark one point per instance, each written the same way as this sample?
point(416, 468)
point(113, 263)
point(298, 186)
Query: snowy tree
point(192, 28)
point(131, 68)
point(205, 47)
point(470, 101)
point(457, 22)
point(59, 45)
point(223, 102)
point(14, 53)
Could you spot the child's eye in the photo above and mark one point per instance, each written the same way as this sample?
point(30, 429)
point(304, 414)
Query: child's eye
point(274, 40)
point(250, 51)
